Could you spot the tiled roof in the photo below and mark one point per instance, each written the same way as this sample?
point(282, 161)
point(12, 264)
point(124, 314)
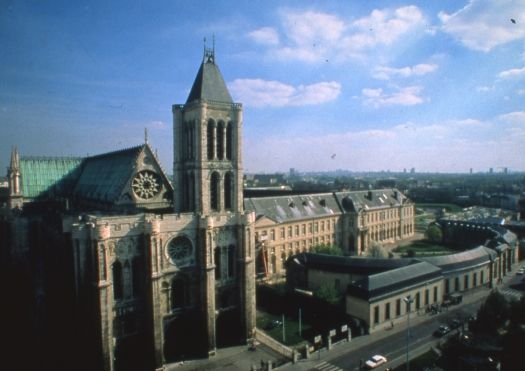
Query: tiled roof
point(209, 85)
point(288, 208)
point(104, 176)
point(376, 286)
point(352, 201)
point(462, 260)
point(350, 264)
point(48, 176)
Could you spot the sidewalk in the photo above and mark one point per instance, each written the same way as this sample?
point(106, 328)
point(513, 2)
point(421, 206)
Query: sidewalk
point(235, 358)
point(363, 341)
point(240, 358)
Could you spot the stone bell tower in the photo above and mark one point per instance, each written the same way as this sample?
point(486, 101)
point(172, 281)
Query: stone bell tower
point(208, 183)
point(207, 133)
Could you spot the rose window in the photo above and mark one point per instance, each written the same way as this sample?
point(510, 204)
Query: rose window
point(145, 184)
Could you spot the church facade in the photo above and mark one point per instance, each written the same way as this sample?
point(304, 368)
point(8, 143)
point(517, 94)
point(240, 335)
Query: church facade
point(160, 273)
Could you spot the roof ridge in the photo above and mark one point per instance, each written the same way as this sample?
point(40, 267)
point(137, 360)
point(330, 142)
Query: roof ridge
point(51, 157)
point(128, 149)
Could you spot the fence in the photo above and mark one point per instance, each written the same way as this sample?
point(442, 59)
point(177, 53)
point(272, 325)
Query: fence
point(273, 344)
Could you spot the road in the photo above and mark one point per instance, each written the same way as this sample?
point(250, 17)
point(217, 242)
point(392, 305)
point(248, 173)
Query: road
point(394, 347)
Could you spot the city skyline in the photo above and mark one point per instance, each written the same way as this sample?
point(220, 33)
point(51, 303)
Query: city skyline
point(325, 85)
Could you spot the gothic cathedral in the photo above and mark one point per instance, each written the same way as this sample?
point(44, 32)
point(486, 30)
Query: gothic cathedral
point(161, 271)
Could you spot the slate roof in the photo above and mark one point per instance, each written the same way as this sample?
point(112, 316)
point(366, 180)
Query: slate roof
point(100, 178)
point(351, 264)
point(464, 260)
point(354, 201)
point(290, 208)
point(104, 176)
point(209, 85)
point(376, 286)
point(47, 176)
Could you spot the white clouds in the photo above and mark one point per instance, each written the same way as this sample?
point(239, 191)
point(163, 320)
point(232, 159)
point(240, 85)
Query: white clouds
point(484, 89)
point(316, 36)
point(265, 35)
point(261, 93)
point(407, 96)
point(386, 26)
point(483, 25)
point(517, 117)
point(386, 73)
point(451, 145)
point(512, 73)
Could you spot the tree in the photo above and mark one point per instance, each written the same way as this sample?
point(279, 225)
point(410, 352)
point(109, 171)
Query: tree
point(327, 293)
point(434, 233)
point(376, 250)
point(327, 249)
point(492, 314)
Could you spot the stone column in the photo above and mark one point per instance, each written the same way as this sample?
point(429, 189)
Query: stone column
point(246, 276)
point(208, 283)
point(152, 252)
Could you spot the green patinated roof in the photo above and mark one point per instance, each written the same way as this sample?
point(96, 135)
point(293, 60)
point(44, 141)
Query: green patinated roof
point(104, 176)
point(44, 176)
point(209, 85)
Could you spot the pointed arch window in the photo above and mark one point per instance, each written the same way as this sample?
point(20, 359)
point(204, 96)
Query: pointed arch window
point(118, 287)
point(220, 140)
point(126, 275)
point(228, 187)
point(231, 261)
point(218, 257)
point(229, 141)
point(214, 191)
point(138, 276)
point(211, 140)
point(179, 293)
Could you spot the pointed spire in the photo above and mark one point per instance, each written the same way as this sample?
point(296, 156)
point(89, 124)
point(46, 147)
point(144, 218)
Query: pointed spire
point(209, 84)
point(145, 135)
point(15, 159)
point(209, 54)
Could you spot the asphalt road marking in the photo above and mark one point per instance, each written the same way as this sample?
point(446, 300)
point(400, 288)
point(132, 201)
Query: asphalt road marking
point(325, 366)
point(513, 294)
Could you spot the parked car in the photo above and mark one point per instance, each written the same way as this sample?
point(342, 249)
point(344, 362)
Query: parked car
point(455, 323)
point(521, 271)
point(273, 324)
point(375, 361)
point(441, 331)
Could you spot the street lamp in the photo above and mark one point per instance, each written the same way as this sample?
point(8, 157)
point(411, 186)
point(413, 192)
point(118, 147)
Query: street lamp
point(409, 300)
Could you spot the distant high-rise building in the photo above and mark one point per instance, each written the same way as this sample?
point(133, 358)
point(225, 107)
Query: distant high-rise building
point(470, 170)
point(505, 170)
point(412, 170)
point(491, 171)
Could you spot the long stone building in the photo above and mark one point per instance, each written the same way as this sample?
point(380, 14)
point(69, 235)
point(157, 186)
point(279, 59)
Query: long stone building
point(374, 289)
point(289, 225)
point(154, 272)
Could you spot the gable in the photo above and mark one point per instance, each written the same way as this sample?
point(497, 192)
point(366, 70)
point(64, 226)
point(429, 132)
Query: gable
point(132, 178)
point(264, 221)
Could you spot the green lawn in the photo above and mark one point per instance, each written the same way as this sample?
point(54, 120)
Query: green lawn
point(449, 207)
point(424, 248)
point(291, 328)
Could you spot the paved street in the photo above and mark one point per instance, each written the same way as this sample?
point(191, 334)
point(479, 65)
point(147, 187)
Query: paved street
point(347, 356)
point(392, 343)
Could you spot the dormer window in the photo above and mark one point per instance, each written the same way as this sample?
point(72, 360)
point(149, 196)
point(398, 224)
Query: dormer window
point(323, 202)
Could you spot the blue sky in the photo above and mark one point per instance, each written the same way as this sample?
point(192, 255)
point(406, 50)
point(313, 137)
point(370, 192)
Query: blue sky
point(382, 85)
